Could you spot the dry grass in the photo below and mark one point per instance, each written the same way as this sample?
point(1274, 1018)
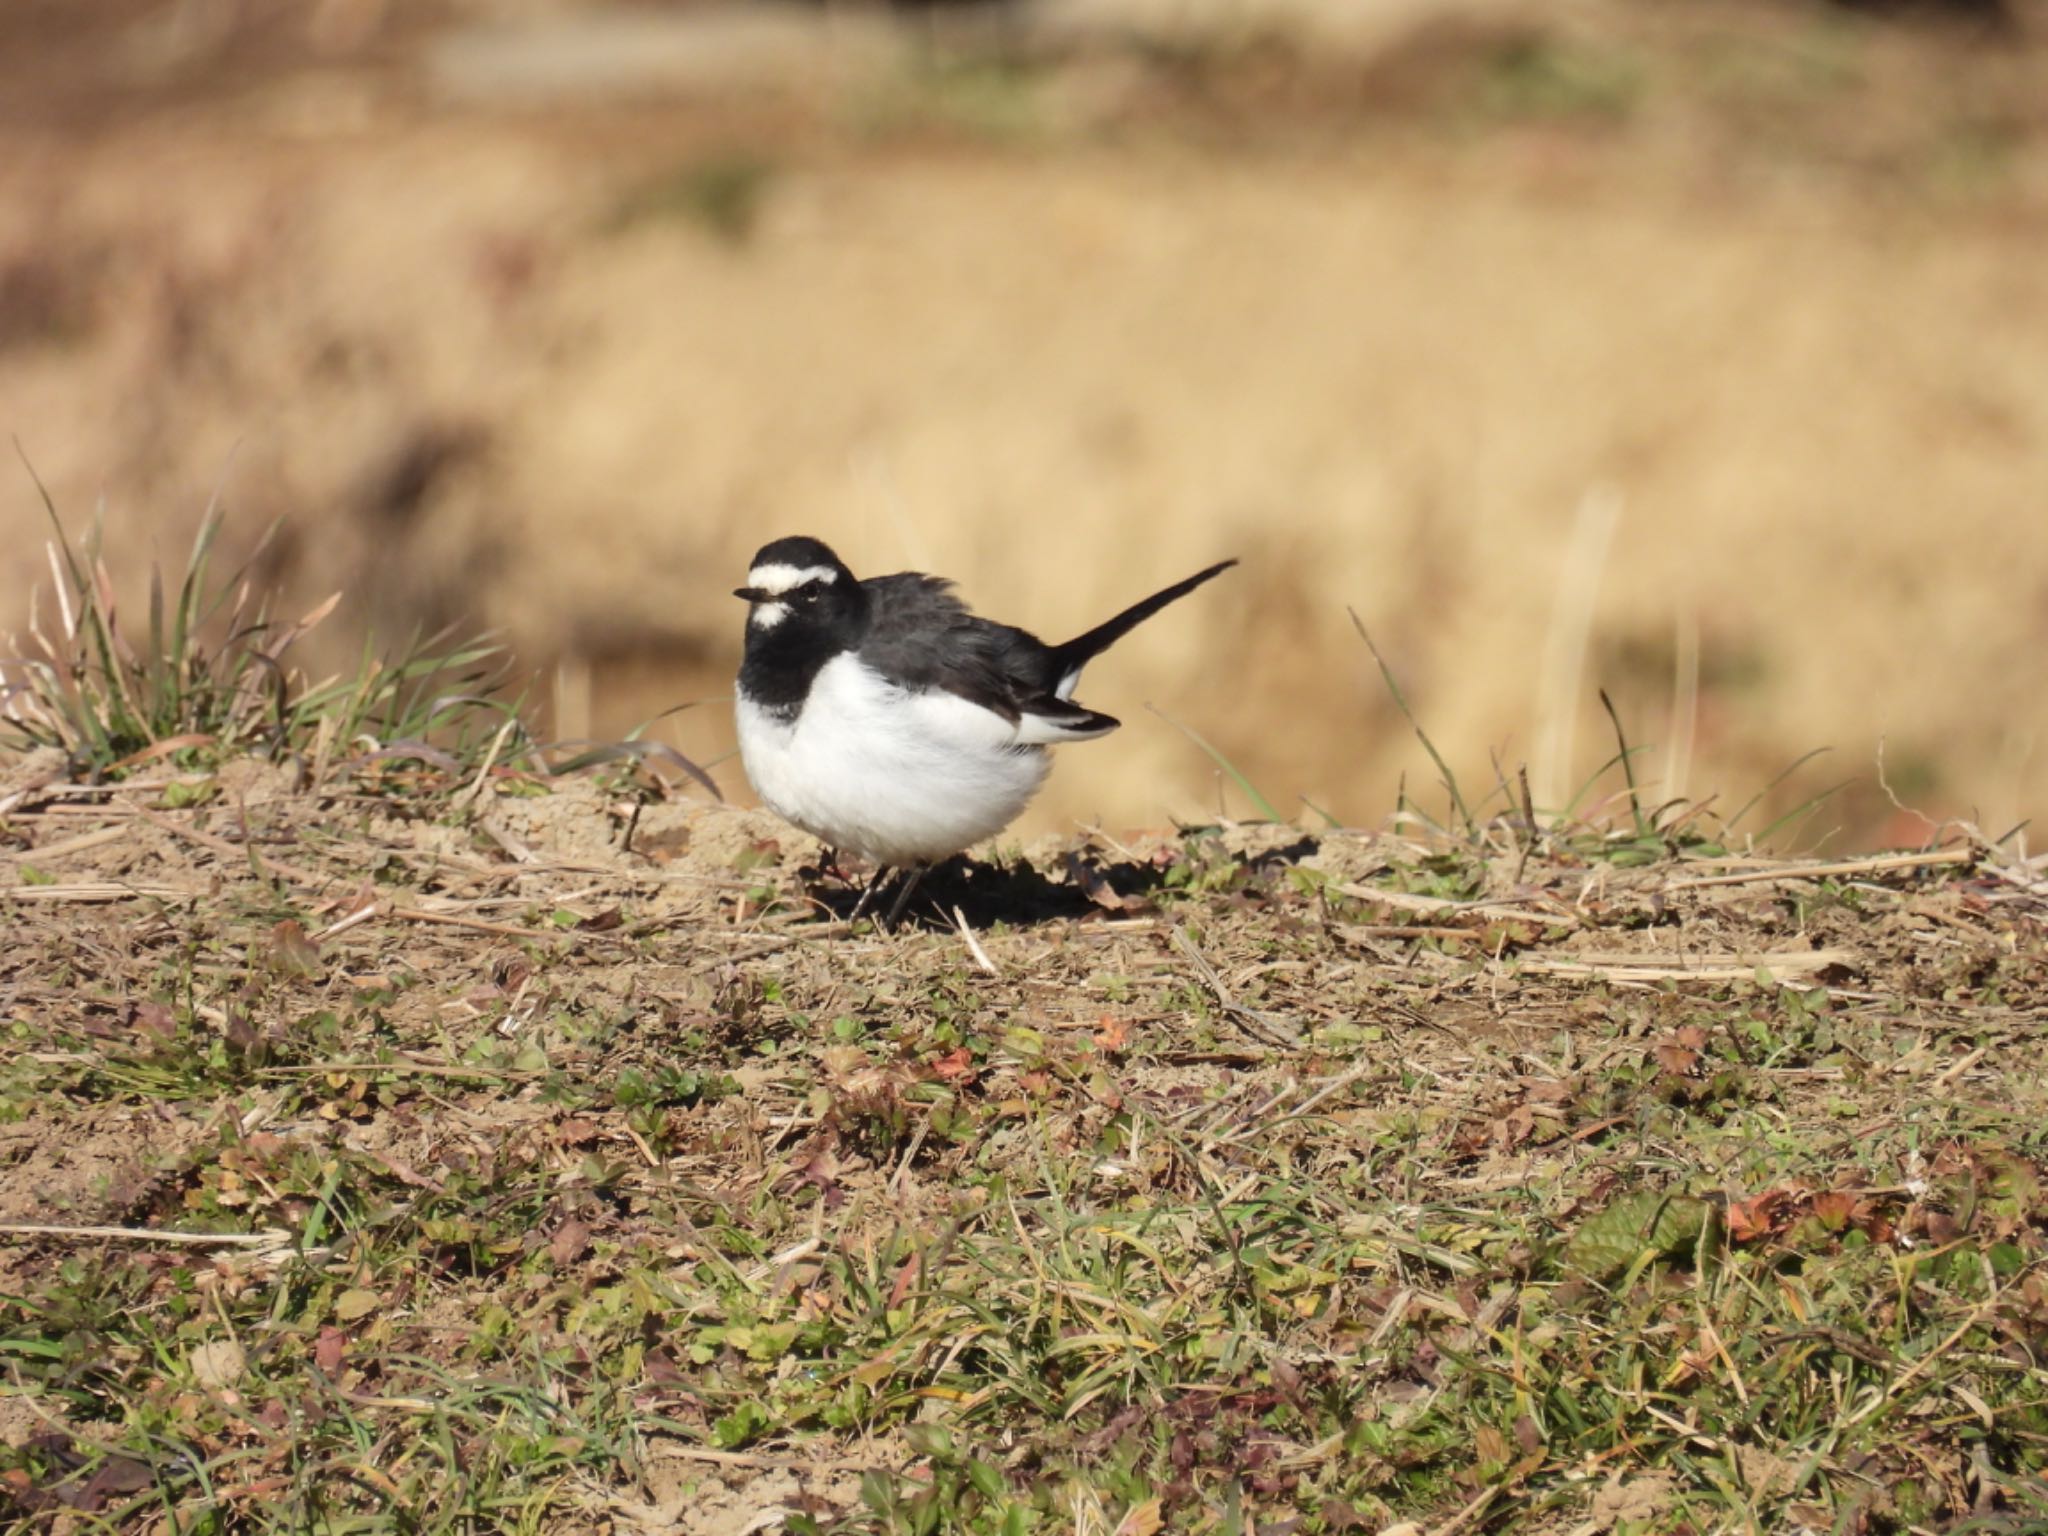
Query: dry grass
point(400, 1158)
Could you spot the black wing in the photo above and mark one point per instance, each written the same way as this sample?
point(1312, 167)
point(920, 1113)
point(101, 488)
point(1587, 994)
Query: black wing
point(922, 634)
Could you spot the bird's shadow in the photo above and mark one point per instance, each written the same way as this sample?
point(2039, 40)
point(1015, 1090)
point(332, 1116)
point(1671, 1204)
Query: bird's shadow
point(985, 894)
point(1018, 894)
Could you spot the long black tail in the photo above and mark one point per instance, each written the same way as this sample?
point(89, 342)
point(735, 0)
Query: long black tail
point(1079, 651)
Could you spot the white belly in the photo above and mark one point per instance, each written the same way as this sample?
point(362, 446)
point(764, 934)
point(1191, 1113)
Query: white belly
point(896, 777)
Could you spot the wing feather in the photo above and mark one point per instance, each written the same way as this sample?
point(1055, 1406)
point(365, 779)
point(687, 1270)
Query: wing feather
point(919, 632)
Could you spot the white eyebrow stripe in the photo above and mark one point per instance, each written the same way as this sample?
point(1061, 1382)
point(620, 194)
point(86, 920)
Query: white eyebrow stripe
point(776, 578)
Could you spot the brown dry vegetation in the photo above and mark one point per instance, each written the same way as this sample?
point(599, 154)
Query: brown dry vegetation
point(555, 1162)
point(1376, 309)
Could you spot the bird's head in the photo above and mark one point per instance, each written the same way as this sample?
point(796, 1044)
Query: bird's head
point(799, 582)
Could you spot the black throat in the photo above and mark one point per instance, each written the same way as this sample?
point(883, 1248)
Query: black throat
point(782, 661)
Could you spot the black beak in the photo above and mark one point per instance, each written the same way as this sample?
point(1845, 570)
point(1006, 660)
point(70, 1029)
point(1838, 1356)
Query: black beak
point(751, 594)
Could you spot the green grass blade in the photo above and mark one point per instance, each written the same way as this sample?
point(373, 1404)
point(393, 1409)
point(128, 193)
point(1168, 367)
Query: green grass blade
point(1628, 772)
point(1259, 802)
point(1450, 780)
point(1785, 773)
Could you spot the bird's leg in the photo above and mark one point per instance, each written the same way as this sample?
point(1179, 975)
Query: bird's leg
point(868, 895)
point(903, 893)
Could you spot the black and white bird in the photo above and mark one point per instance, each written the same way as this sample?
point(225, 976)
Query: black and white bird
point(885, 719)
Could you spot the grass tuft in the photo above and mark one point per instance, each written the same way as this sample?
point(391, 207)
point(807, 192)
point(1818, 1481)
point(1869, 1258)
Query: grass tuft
point(209, 676)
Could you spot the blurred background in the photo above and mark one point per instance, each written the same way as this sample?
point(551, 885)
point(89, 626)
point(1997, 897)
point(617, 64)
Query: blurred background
point(1697, 351)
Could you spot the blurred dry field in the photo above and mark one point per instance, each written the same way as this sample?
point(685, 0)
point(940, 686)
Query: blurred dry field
point(1571, 347)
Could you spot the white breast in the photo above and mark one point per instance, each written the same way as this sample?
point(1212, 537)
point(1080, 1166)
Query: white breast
point(895, 776)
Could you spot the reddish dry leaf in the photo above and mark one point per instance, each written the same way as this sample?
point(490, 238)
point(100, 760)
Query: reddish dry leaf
point(1759, 1215)
point(153, 1019)
point(1112, 1034)
point(662, 1369)
point(576, 1132)
point(404, 1173)
point(1679, 1052)
point(1515, 1127)
point(330, 1348)
point(570, 1242)
point(1097, 888)
point(240, 1034)
point(956, 1066)
point(906, 1279)
point(117, 1475)
point(820, 1168)
point(602, 922)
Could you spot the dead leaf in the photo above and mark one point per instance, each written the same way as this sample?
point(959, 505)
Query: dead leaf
point(956, 1066)
point(1141, 1519)
point(218, 1365)
point(154, 1020)
point(820, 1168)
point(1674, 1057)
point(1834, 1209)
point(1490, 1445)
point(329, 1348)
point(116, 1476)
point(356, 1302)
point(662, 1369)
point(1096, 887)
point(570, 1242)
point(1936, 1226)
point(1515, 1127)
point(602, 922)
point(240, 1034)
point(1112, 1033)
point(292, 953)
point(1759, 1215)
point(906, 1281)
